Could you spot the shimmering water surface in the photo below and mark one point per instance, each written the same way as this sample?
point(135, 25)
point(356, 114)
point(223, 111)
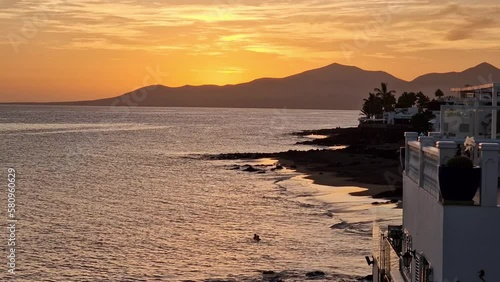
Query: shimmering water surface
point(116, 194)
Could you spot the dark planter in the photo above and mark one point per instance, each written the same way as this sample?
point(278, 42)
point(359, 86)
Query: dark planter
point(402, 157)
point(459, 184)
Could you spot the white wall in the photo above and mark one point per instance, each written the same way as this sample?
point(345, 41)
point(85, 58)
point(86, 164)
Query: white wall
point(423, 218)
point(458, 241)
point(471, 243)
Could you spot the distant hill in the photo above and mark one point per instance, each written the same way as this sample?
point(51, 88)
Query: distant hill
point(481, 74)
point(331, 87)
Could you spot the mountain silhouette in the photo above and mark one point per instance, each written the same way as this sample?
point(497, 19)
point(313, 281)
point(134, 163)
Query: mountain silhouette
point(334, 86)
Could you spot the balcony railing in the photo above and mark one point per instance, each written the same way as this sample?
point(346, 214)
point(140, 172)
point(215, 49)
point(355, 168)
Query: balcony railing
point(386, 256)
point(424, 155)
point(413, 160)
point(423, 163)
point(429, 172)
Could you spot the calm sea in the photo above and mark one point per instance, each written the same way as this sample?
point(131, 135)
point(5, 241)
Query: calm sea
point(118, 194)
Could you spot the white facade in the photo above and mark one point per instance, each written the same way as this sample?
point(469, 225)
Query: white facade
point(479, 115)
point(458, 241)
point(400, 115)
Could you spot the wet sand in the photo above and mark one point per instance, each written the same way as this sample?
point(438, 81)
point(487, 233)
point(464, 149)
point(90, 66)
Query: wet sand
point(380, 177)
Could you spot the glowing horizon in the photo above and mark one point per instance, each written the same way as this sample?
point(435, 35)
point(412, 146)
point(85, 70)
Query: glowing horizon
point(82, 50)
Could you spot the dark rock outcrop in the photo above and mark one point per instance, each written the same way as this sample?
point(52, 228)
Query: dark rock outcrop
point(315, 274)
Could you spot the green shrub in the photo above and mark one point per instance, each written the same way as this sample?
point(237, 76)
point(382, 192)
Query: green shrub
point(421, 121)
point(460, 162)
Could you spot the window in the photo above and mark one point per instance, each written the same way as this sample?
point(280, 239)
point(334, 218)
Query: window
point(464, 128)
point(407, 247)
point(407, 244)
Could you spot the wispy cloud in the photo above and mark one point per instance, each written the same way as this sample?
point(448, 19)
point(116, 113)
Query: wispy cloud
point(470, 28)
point(230, 41)
point(281, 27)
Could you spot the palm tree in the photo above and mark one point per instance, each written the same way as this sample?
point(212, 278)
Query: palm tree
point(387, 96)
point(439, 93)
point(422, 100)
point(407, 100)
point(372, 106)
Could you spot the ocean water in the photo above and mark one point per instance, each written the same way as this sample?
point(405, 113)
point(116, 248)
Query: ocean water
point(118, 194)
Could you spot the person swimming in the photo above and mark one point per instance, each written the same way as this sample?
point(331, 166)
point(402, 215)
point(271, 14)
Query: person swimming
point(256, 237)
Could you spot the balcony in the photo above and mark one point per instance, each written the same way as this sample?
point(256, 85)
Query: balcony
point(440, 229)
point(426, 154)
point(387, 256)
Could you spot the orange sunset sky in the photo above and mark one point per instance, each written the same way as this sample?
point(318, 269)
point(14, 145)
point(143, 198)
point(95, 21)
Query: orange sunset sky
point(56, 50)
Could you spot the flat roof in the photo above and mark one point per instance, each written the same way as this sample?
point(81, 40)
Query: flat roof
point(477, 87)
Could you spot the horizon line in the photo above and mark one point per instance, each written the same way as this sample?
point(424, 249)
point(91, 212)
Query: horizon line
point(245, 82)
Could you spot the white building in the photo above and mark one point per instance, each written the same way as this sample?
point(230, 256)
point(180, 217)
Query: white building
point(479, 115)
point(443, 239)
point(400, 115)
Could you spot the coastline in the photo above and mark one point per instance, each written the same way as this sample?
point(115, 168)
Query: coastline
point(364, 158)
point(342, 169)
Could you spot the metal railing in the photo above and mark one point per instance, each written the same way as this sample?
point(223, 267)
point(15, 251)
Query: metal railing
point(387, 259)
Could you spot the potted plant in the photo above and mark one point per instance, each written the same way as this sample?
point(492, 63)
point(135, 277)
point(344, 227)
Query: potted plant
point(459, 179)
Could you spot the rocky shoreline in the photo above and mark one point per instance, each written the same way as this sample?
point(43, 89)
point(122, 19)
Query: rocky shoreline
point(370, 159)
point(282, 276)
